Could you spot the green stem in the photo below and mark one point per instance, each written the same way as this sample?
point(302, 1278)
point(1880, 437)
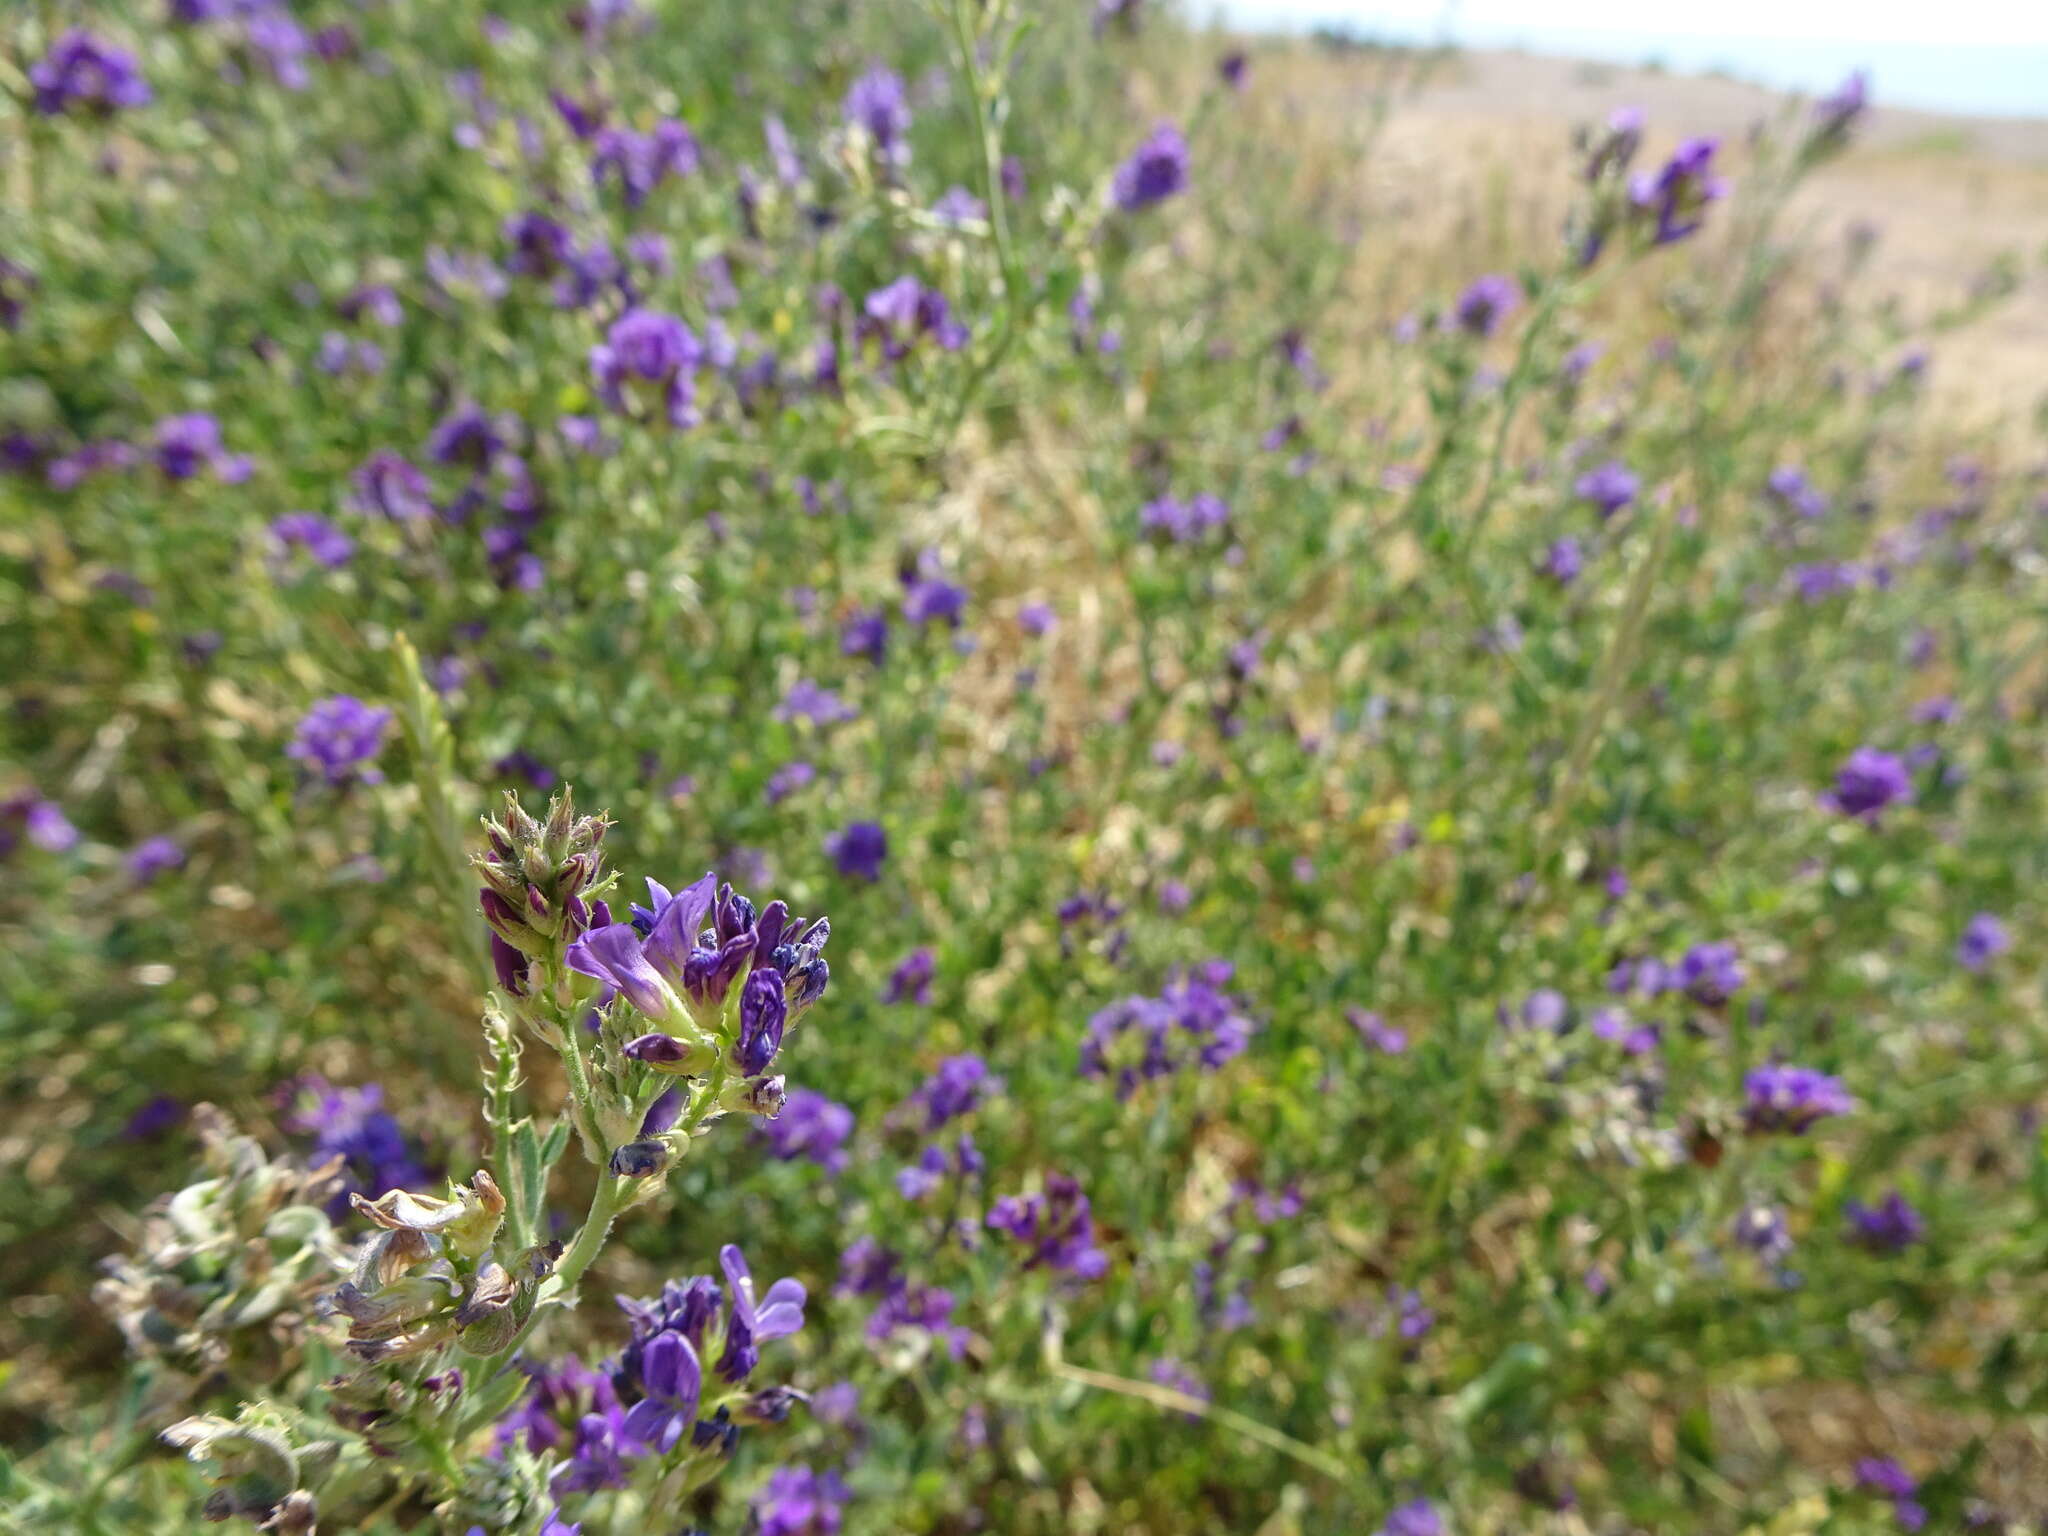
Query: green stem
point(988, 129)
point(1614, 670)
point(605, 1202)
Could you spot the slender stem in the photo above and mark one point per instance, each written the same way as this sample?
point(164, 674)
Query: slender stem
point(579, 1097)
point(605, 1202)
point(989, 130)
point(1614, 670)
point(1182, 1402)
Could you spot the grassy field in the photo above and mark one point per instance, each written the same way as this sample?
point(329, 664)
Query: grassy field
point(1417, 706)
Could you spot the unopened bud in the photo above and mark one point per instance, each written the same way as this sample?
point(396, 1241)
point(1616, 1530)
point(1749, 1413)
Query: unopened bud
point(639, 1159)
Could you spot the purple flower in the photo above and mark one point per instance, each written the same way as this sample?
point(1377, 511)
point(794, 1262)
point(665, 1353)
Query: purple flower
point(80, 70)
point(154, 856)
point(1869, 782)
point(1792, 1099)
point(1156, 170)
point(796, 1501)
point(1890, 1226)
point(701, 941)
point(320, 539)
point(957, 205)
point(810, 1126)
point(1377, 1032)
point(1231, 68)
point(1056, 1226)
point(1761, 1229)
point(1608, 488)
point(749, 1324)
point(1675, 198)
point(1838, 111)
point(1984, 940)
point(1488, 301)
point(374, 302)
point(1616, 145)
point(912, 979)
point(1885, 1477)
point(1614, 1024)
point(184, 445)
point(807, 701)
point(876, 104)
point(41, 821)
point(338, 736)
point(865, 634)
point(640, 162)
point(1193, 1022)
point(787, 780)
point(859, 850)
point(897, 313)
point(671, 1380)
point(645, 348)
point(959, 1084)
point(1418, 1517)
point(1563, 561)
point(157, 1115)
point(932, 600)
point(1544, 1009)
point(387, 486)
point(1710, 973)
point(541, 246)
point(1037, 619)
point(352, 1124)
point(1183, 522)
point(1788, 486)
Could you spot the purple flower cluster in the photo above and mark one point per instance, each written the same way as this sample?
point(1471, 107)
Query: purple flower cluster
point(805, 700)
point(934, 1166)
point(1057, 1227)
point(1886, 1478)
point(869, 1269)
point(1156, 170)
point(1607, 488)
point(810, 1126)
point(1890, 1226)
point(1486, 303)
point(649, 1402)
point(957, 1087)
point(353, 1125)
point(1707, 973)
point(877, 105)
point(185, 445)
point(83, 72)
point(42, 822)
point(339, 737)
point(911, 981)
point(859, 850)
point(1984, 939)
point(898, 313)
point(1418, 1517)
point(652, 352)
point(1792, 1099)
point(1674, 199)
point(684, 955)
point(795, 1501)
point(323, 543)
point(1192, 1021)
point(1183, 522)
point(640, 162)
point(1868, 783)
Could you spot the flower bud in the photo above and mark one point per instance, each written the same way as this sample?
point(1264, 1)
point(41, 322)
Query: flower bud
point(639, 1159)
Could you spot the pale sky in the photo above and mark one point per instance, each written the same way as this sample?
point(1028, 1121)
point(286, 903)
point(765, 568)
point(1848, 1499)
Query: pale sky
point(1974, 56)
point(1952, 23)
